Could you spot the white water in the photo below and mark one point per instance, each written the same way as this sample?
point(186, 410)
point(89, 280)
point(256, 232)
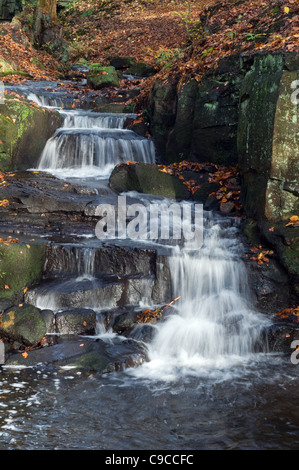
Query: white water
point(90, 145)
point(93, 151)
point(44, 102)
point(89, 119)
point(214, 327)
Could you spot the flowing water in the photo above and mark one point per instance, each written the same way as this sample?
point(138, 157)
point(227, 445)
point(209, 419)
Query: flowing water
point(210, 382)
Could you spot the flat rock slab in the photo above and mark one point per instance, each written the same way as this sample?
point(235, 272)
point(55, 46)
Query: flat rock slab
point(84, 353)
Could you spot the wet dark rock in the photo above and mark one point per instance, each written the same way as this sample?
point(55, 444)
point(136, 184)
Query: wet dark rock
point(268, 138)
point(131, 66)
point(143, 332)
point(122, 63)
point(227, 207)
point(49, 318)
point(125, 321)
point(76, 321)
point(141, 69)
point(5, 304)
point(85, 354)
point(280, 336)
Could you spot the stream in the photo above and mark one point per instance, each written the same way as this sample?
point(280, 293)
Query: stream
point(210, 382)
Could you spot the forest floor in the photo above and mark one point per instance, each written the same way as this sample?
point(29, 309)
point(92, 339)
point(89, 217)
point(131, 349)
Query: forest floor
point(175, 36)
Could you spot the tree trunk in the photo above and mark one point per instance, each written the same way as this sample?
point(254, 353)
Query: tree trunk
point(47, 7)
point(45, 17)
point(47, 34)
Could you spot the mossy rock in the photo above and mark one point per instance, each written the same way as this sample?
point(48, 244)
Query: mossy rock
point(20, 267)
point(140, 69)
point(23, 324)
point(6, 66)
point(102, 77)
point(24, 129)
point(146, 178)
point(91, 361)
point(122, 63)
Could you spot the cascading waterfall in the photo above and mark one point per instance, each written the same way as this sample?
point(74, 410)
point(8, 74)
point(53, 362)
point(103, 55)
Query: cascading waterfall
point(76, 266)
point(89, 119)
point(44, 101)
point(91, 144)
point(214, 326)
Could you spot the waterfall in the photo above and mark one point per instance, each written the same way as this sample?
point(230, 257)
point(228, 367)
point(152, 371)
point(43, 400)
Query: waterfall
point(44, 101)
point(91, 144)
point(213, 326)
point(90, 119)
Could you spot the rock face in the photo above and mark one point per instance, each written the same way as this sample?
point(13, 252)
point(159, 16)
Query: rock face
point(24, 129)
point(268, 137)
point(244, 113)
point(198, 122)
point(9, 8)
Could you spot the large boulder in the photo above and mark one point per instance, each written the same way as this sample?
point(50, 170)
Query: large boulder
point(24, 129)
point(77, 321)
point(102, 77)
point(23, 324)
point(131, 66)
point(148, 179)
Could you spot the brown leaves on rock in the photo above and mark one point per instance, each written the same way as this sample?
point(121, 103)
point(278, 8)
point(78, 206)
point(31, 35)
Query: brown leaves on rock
point(229, 190)
point(152, 316)
point(262, 255)
point(291, 313)
point(293, 221)
point(8, 240)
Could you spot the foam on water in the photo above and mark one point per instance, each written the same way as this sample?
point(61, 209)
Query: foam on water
point(214, 327)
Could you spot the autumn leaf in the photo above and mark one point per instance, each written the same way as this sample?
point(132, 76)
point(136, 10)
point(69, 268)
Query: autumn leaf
point(294, 221)
point(289, 312)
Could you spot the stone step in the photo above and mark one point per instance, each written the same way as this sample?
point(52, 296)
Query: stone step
point(95, 293)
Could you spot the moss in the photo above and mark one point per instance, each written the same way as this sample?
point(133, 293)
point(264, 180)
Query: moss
point(24, 130)
point(23, 324)
point(20, 267)
point(102, 77)
point(91, 361)
point(15, 72)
